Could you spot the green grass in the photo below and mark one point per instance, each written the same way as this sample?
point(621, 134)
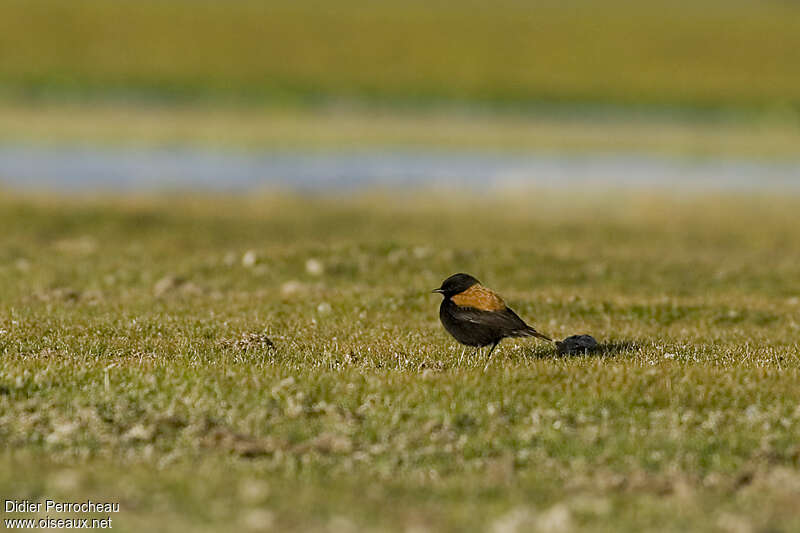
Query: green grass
point(133, 369)
point(696, 54)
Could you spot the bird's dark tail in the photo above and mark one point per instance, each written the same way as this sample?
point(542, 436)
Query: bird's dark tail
point(530, 332)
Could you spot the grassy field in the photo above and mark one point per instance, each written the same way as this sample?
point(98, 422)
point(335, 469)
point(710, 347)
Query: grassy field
point(696, 54)
point(136, 367)
point(264, 128)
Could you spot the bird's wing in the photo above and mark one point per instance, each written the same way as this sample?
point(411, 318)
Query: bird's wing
point(505, 319)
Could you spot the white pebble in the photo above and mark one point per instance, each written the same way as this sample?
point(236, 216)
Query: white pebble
point(315, 267)
point(249, 258)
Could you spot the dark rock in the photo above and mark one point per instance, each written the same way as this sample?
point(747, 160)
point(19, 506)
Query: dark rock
point(577, 344)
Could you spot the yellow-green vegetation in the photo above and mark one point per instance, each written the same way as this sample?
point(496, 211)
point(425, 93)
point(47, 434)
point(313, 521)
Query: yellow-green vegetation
point(700, 54)
point(265, 128)
point(277, 361)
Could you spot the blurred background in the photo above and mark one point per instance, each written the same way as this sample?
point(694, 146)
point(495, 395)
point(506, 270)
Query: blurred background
point(220, 222)
point(125, 95)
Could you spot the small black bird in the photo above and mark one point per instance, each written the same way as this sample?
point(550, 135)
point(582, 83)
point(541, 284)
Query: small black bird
point(477, 316)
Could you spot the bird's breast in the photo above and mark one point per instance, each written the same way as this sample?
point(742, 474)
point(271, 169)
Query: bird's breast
point(465, 330)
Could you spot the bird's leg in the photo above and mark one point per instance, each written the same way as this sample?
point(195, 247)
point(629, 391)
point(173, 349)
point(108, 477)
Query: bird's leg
point(461, 357)
point(493, 347)
point(489, 360)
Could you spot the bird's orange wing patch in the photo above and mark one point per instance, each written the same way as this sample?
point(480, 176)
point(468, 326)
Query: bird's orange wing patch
point(479, 297)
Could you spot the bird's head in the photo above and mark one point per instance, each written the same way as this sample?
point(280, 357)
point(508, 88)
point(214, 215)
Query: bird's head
point(456, 284)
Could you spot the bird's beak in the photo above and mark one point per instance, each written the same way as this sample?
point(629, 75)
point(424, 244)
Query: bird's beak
point(440, 291)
